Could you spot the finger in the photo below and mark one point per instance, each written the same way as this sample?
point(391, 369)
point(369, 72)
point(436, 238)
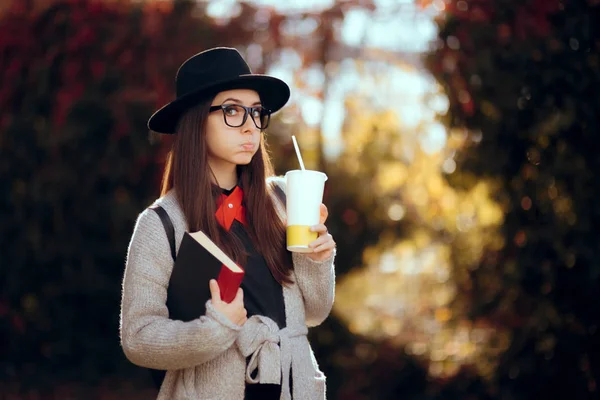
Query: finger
point(239, 297)
point(324, 213)
point(329, 245)
point(319, 241)
point(319, 228)
point(215, 292)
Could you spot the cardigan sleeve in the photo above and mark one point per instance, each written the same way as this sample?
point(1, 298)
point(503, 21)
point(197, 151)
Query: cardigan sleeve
point(316, 279)
point(148, 337)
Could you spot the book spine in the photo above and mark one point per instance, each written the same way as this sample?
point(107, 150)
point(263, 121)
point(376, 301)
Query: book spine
point(229, 282)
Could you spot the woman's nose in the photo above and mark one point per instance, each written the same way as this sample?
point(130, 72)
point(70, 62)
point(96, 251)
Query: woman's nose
point(249, 126)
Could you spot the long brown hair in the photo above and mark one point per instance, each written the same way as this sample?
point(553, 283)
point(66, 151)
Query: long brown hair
point(188, 172)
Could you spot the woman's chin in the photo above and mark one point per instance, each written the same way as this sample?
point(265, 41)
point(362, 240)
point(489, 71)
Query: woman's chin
point(243, 159)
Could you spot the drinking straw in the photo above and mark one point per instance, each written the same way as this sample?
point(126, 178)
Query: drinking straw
point(298, 152)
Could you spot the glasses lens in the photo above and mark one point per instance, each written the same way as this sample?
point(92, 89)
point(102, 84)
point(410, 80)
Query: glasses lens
point(234, 115)
point(261, 117)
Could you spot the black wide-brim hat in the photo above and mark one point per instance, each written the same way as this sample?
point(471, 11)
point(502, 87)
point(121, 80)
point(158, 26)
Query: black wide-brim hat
point(210, 72)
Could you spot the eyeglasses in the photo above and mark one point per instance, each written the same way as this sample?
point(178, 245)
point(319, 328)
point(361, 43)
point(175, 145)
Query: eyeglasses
point(235, 115)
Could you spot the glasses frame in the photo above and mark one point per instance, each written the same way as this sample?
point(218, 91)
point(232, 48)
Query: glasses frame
point(247, 111)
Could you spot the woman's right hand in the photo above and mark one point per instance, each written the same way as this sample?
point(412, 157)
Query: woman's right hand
point(235, 310)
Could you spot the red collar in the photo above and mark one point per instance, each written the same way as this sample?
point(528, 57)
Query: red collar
point(230, 208)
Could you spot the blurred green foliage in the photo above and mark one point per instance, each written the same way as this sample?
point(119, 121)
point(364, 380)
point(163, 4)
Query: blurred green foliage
point(523, 78)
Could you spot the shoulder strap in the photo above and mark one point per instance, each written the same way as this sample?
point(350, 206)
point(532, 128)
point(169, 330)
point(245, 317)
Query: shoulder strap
point(168, 225)
point(280, 194)
point(158, 376)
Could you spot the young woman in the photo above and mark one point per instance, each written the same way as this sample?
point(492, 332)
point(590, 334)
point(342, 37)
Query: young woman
point(219, 179)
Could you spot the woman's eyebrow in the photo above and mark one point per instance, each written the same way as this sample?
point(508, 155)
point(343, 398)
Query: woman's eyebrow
point(256, 103)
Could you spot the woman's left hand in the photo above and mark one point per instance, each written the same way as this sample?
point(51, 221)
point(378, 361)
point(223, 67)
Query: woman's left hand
point(324, 245)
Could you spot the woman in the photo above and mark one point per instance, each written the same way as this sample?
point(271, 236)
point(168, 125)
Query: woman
point(218, 179)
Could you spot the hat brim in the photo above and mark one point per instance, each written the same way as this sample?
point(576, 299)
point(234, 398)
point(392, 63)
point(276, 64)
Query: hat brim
point(274, 94)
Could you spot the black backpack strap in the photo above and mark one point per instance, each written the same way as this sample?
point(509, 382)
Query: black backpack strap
point(158, 376)
point(169, 229)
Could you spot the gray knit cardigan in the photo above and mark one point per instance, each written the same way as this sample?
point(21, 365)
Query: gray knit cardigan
point(206, 358)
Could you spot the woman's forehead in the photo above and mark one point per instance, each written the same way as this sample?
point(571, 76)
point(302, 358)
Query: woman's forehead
point(245, 96)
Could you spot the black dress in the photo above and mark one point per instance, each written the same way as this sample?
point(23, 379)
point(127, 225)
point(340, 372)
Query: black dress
point(263, 295)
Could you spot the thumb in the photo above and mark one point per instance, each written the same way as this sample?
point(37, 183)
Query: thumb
point(324, 213)
point(239, 297)
point(215, 292)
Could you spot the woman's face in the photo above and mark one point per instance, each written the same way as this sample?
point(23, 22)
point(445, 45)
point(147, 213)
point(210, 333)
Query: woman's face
point(227, 144)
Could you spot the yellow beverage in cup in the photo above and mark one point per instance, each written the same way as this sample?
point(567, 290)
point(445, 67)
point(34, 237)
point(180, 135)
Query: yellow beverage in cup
point(303, 201)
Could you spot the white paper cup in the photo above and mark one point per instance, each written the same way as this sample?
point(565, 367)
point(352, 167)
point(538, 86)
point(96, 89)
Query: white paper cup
point(304, 195)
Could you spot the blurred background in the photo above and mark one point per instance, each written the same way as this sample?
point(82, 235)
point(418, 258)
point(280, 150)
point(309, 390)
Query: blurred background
point(460, 140)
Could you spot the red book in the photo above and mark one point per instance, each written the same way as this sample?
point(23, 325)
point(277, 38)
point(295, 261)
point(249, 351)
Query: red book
point(198, 261)
point(231, 275)
point(229, 282)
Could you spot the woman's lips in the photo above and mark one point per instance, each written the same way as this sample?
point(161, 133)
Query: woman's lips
point(249, 146)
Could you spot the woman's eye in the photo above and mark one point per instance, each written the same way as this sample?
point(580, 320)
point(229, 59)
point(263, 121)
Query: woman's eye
point(231, 111)
point(256, 113)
